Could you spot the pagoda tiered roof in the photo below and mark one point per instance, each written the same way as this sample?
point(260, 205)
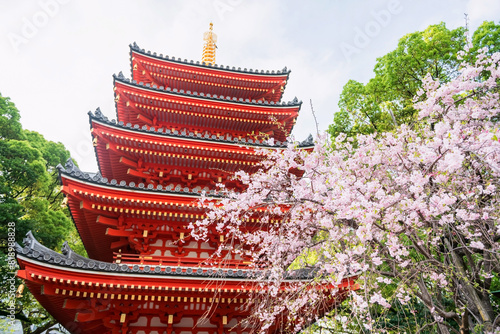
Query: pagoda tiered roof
point(90, 296)
point(160, 156)
point(177, 109)
point(112, 215)
point(166, 71)
point(152, 222)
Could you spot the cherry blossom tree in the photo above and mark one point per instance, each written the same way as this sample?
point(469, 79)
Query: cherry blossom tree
point(412, 213)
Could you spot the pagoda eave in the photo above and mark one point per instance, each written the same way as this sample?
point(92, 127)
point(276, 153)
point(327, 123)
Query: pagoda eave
point(165, 108)
point(93, 301)
point(198, 98)
point(117, 218)
point(94, 296)
point(121, 151)
point(155, 134)
point(151, 68)
point(92, 197)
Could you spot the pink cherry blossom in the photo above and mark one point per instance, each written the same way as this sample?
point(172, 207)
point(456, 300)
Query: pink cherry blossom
point(416, 209)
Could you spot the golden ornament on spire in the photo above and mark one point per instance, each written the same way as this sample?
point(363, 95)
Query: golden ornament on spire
point(209, 47)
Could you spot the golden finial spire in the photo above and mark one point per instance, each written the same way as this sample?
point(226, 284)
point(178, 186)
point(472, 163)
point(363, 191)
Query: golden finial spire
point(209, 47)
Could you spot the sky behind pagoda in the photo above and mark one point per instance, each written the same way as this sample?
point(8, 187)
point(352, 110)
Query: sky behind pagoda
point(58, 56)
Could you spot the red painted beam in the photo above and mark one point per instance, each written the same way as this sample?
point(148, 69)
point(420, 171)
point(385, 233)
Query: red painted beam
point(119, 233)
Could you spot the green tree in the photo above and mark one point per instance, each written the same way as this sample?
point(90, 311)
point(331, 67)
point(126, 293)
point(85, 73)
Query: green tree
point(30, 199)
point(386, 101)
point(10, 127)
point(487, 36)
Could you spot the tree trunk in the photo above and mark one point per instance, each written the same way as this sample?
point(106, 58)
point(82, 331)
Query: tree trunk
point(483, 306)
point(464, 326)
point(427, 299)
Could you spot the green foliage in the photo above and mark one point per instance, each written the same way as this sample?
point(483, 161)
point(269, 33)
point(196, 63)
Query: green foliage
point(30, 192)
point(487, 36)
point(362, 109)
point(52, 153)
point(75, 243)
point(30, 199)
point(10, 127)
point(23, 169)
point(386, 101)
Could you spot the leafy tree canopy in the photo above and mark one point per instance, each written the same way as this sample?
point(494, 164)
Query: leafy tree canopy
point(386, 101)
point(10, 127)
point(29, 200)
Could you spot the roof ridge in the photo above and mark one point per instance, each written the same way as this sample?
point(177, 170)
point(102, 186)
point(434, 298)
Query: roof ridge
point(72, 170)
point(120, 77)
point(98, 115)
point(35, 250)
point(135, 47)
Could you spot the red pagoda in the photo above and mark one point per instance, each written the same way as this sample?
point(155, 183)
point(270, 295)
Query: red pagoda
point(182, 127)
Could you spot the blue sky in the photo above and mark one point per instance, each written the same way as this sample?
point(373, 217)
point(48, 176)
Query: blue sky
point(58, 56)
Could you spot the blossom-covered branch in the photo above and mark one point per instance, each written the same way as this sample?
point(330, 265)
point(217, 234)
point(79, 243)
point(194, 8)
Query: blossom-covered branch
point(413, 213)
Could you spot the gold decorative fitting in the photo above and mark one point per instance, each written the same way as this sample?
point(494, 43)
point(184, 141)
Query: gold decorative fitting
point(19, 292)
point(209, 47)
